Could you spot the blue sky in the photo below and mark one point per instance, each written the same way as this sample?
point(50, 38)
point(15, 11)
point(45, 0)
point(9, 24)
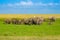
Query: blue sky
point(30, 6)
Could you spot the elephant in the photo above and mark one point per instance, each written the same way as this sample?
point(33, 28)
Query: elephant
point(14, 21)
point(7, 21)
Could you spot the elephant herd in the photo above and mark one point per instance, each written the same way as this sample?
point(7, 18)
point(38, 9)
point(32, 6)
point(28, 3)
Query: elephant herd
point(30, 21)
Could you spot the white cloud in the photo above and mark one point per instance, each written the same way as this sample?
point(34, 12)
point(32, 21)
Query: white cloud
point(51, 4)
point(29, 3)
point(57, 4)
point(21, 4)
point(40, 4)
point(10, 5)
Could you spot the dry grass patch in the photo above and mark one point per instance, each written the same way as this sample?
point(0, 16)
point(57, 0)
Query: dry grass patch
point(29, 38)
point(28, 15)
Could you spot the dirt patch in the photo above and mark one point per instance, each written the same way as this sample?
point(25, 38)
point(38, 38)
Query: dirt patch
point(29, 38)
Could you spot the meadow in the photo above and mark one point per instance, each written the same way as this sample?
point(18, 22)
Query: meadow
point(30, 30)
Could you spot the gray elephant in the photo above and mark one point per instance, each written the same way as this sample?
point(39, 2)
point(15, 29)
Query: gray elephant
point(7, 21)
point(51, 20)
point(14, 21)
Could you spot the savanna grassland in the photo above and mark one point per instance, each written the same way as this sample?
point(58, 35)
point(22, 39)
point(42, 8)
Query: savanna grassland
point(28, 15)
point(30, 32)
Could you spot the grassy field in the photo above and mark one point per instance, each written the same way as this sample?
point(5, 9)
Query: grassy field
point(9, 30)
point(30, 30)
point(28, 15)
point(29, 38)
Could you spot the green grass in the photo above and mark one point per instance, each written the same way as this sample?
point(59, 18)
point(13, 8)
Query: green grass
point(30, 30)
